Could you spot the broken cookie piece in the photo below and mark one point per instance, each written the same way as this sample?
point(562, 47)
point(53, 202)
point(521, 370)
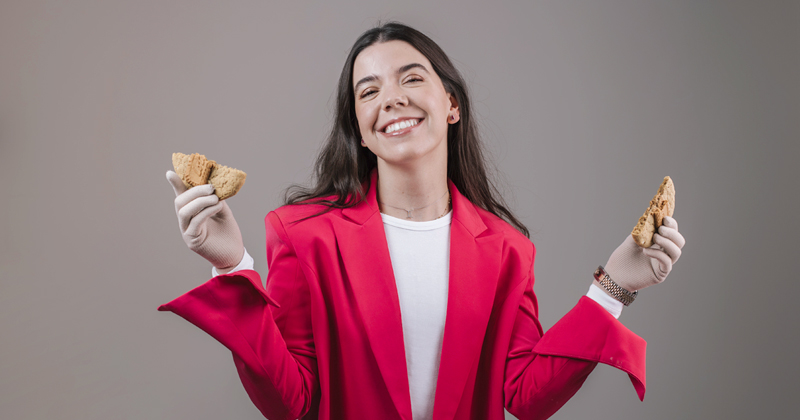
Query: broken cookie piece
point(663, 204)
point(196, 169)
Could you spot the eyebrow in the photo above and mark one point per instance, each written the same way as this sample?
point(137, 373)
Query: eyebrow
point(403, 69)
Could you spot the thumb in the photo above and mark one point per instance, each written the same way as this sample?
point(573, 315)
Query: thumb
point(177, 183)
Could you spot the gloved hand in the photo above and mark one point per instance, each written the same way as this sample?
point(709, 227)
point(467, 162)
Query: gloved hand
point(633, 267)
point(207, 225)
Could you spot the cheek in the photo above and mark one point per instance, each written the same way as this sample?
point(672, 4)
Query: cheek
point(439, 107)
point(366, 120)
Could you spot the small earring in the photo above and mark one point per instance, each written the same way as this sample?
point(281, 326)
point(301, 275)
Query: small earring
point(363, 143)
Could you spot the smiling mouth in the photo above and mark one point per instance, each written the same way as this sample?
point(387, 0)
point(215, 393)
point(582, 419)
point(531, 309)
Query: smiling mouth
point(401, 126)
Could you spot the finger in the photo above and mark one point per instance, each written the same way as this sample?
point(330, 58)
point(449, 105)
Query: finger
point(175, 181)
point(671, 248)
point(664, 262)
point(673, 235)
point(670, 222)
point(193, 208)
point(196, 224)
point(192, 194)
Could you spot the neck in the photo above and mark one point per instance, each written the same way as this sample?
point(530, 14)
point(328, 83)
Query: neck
point(423, 189)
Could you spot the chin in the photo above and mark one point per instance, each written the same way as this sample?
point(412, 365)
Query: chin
point(408, 154)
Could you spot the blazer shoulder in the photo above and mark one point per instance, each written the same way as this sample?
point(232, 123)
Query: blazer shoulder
point(301, 220)
point(496, 224)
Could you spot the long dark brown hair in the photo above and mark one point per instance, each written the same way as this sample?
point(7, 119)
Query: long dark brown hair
point(343, 166)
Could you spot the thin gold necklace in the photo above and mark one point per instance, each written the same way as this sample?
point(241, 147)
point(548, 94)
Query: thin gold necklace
point(447, 208)
point(409, 212)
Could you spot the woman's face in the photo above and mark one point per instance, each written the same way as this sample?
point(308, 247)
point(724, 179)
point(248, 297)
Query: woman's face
point(402, 107)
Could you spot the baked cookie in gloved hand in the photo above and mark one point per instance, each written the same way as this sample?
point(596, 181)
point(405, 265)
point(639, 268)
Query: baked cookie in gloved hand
point(646, 256)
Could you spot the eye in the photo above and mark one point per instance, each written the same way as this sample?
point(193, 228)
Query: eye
point(366, 93)
point(413, 79)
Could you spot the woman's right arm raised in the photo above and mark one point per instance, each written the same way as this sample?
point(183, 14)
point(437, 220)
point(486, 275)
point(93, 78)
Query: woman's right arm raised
point(270, 336)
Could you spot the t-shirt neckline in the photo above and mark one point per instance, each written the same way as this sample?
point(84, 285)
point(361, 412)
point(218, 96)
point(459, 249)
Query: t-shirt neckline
point(412, 225)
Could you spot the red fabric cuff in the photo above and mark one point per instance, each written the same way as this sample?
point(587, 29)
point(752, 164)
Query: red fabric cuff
point(215, 284)
point(589, 332)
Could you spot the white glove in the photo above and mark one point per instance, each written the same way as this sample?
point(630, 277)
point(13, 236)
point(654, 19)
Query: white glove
point(207, 225)
point(633, 267)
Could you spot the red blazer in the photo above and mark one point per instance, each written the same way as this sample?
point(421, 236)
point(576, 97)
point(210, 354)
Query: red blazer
point(325, 339)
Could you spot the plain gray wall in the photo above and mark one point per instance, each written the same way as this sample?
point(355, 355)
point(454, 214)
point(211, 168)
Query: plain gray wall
point(585, 106)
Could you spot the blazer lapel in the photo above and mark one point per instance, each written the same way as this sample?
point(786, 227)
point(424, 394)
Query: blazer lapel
point(474, 270)
point(362, 243)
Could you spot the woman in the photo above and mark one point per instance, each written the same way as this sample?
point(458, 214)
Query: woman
point(398, 286)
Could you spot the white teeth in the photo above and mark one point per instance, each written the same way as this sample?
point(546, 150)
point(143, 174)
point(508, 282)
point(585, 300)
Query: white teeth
point(401, 125)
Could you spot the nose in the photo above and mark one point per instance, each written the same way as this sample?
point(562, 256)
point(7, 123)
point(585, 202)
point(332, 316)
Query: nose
point(394, 97)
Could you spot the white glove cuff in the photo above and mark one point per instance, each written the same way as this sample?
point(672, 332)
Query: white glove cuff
point(245, 264)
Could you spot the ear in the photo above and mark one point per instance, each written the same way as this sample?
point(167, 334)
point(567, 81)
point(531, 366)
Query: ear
point(453, 115)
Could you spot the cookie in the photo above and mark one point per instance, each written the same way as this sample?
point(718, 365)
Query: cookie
point(193, 169)
point(662, 205)
point(196, 169)
point(226, 181)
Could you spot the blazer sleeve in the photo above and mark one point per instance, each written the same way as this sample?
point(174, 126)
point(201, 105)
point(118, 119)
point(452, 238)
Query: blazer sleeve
point(543, 371)
point(268, 331)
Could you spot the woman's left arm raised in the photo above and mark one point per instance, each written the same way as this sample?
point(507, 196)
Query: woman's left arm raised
point(544, 370)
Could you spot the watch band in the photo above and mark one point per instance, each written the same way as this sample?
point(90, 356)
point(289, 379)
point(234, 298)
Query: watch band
point(619, 293)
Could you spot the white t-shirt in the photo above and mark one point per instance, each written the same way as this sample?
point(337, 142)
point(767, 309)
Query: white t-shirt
point(420, 254)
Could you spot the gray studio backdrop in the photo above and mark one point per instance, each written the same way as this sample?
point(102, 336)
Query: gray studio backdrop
point(585, 107)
